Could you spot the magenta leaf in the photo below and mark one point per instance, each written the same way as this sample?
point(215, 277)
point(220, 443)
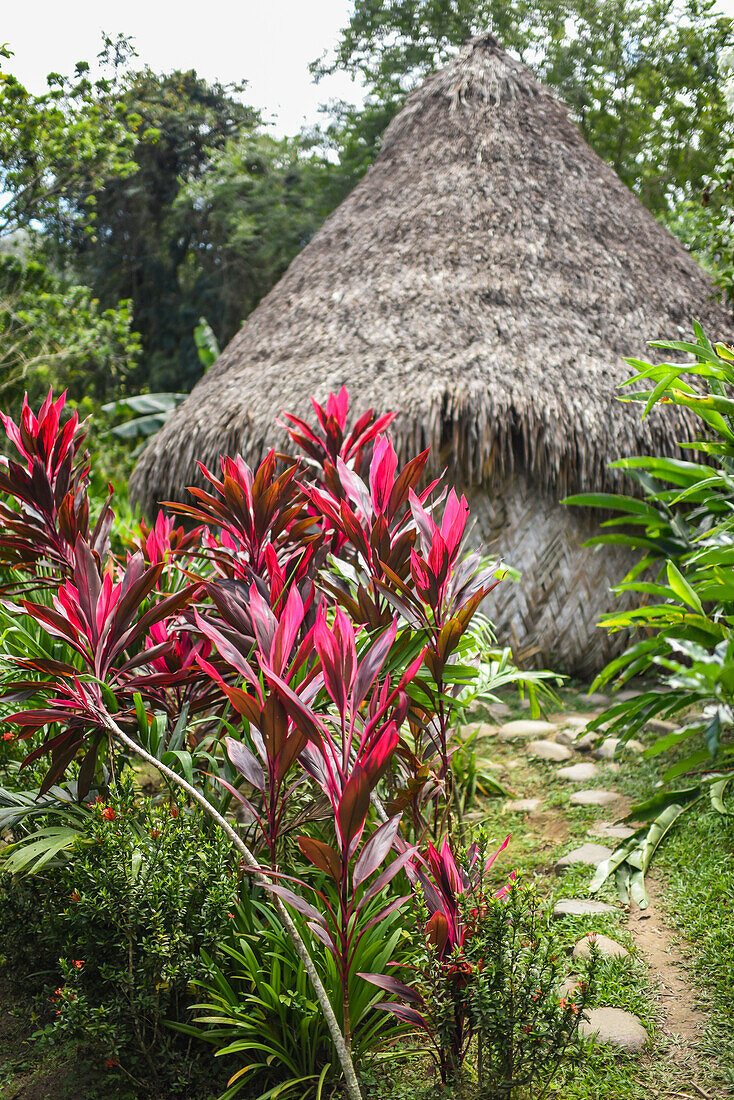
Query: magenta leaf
point(245, 763)
point(296, 902)
point(393, 985)
point(406, 1014)
point(353, 806)
point(375, 850)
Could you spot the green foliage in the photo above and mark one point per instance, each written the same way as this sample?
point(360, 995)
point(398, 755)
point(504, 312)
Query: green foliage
point(260, 1006)
point(115, 929)
point(682, 527)
point(640, 78)
point(74, 135)
point(58, 335)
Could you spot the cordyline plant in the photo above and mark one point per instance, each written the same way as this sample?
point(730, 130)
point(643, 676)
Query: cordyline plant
point(237, 614)
point(346, 755)
point(48, 489)
point(445, 886)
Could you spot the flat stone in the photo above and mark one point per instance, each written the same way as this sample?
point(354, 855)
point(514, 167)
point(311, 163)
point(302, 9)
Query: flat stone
point(499, 710)
point(657, 725)
point(604, 945)
point(594, 797)
point(590, 855)
point(549, 750)
point(577, 721)
point(607, 749)
point(578, 773)
point(568, 985)
point(614, 1027)
point(486, 729)
point(587, 741)
point(524, 727)
point(581, 907)
point(565, 737)
point(614, 746)
point(522, 806)
point(616, 832)
point(595, 699)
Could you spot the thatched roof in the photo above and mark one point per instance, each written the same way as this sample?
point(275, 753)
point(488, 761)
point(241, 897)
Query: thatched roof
point(484, 279)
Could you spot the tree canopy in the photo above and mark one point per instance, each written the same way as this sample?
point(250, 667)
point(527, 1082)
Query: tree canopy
point(642, 77)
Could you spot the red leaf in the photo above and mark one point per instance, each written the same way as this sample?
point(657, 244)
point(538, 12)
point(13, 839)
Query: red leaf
point(245, 763)
point(353, 806)
point(375, 851)
point(322, 856)
point(296, 902)
point(393, 985)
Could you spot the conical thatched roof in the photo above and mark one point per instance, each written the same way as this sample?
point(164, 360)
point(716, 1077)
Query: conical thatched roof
point(485, 279)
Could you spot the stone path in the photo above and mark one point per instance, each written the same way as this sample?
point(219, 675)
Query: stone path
point(563, 742)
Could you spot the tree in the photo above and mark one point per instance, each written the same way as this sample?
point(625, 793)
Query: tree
point(55, 335)
point(141, 244)
point(71, 137)
point(640, 76)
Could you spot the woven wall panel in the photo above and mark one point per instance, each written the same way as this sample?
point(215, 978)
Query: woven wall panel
point(550, 617)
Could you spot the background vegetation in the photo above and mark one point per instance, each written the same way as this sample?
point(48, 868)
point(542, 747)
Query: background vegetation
point(137, 203)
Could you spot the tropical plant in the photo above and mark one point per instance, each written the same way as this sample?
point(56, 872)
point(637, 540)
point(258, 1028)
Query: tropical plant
point(680, 524)
point(266, 1010)
point(220, 658)
point(487, 968)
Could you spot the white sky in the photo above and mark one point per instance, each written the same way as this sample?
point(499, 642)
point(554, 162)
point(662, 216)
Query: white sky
point(269, 43)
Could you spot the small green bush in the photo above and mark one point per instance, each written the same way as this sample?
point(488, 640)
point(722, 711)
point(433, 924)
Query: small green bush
point(112, 935)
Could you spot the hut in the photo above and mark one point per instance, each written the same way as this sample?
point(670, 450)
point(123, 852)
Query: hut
point(484, 280)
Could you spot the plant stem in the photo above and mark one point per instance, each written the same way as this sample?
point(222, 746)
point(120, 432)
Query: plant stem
point(345, 1058)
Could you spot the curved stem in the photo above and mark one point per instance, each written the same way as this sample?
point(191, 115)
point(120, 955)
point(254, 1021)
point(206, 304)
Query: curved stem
point(345, 1058)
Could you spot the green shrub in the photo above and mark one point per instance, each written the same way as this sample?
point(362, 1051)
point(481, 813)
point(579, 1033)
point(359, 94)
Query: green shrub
point(680, 523)
point(112, 934)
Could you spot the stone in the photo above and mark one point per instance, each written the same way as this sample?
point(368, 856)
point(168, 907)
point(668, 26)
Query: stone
point(616, 832)
point(595, 699)
point(657, 725)
point(614, 746)
point(587, 741)
point(581, 907)
point(522, 806)
point(524, 727)
point(607, 749)
point(565, 737)
point(614, 1027)
point(590, 855)
point(578, 773)
point(593, 797)
point(576, 721)
point(549, 750)
point(486, 729)
point(604, 945)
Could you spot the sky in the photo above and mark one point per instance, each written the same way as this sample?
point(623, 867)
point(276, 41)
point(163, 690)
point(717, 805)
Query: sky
point(269, 43)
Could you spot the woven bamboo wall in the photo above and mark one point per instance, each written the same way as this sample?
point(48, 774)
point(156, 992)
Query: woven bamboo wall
point(550, 617)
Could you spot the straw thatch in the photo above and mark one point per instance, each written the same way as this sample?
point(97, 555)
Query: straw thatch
point(485, 280)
